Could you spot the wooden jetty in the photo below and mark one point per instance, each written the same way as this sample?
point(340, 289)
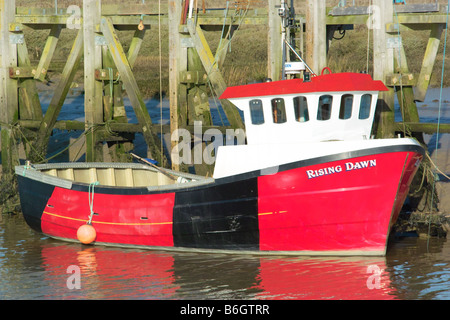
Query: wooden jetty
point(195, 71)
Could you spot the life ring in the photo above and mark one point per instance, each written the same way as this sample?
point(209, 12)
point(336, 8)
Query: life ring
point(326, 68)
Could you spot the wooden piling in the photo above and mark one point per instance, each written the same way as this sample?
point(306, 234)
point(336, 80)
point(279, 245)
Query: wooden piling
point(274, 50)
point(177, 55)
point(8, 87)
point(383, 61)
point(93, 97)
point(316, 35)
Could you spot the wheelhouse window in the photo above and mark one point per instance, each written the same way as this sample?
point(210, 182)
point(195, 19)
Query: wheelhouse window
point(301, 109)
point(345, 111)
point(324, 111)
point(364, 107)
point(256, 111)
point(278, 110)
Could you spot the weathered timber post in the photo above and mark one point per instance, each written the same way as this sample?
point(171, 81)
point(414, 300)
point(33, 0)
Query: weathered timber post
point(316, 35)
point(93, 97)
point(275, 44)
point(8, 89)
point(9, 112)
point(383, 61)
point(176, 56)
point(405, 92)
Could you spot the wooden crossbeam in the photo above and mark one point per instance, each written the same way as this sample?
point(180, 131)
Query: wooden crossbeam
point(47, 53)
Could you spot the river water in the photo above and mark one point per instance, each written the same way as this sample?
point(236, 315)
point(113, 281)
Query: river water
point(33, 266)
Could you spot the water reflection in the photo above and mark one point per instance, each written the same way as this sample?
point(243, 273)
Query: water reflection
point(108, 273)
point(420, 268)
point(36, 267)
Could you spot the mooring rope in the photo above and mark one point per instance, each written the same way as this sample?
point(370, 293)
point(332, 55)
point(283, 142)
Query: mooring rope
point(91, 199)
point(439, 117)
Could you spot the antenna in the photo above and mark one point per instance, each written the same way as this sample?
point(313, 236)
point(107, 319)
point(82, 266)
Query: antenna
point(288, 21)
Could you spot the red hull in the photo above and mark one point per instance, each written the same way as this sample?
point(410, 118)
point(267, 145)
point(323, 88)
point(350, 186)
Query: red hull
point(343, 206)
point(351, 209)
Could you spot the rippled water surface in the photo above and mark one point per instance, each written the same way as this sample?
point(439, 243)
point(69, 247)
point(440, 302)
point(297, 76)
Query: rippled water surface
point(33, 266)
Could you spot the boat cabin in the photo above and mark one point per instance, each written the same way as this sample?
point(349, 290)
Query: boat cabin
point(337, 106)
point(285, 120)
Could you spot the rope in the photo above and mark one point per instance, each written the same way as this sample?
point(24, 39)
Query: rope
point(91, 199)
point(437, 168)
point(160, 82)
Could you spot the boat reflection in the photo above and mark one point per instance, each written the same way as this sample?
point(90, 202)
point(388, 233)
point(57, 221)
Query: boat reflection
point(111, 273)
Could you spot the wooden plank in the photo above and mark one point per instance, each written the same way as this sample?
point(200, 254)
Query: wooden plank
point(116, 126)
point(21, 72)
point(348, 11)
point(421, 127)
point(405, 79)
point(47, 53)
point(417, 8)
point(59, 95)
point(93, 90)
point(429, 58)
point(131, 87)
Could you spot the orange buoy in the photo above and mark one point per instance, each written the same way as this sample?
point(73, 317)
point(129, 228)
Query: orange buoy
point(86, 233)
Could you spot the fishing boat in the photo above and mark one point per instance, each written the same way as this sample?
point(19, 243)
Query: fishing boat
point(310, 180)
